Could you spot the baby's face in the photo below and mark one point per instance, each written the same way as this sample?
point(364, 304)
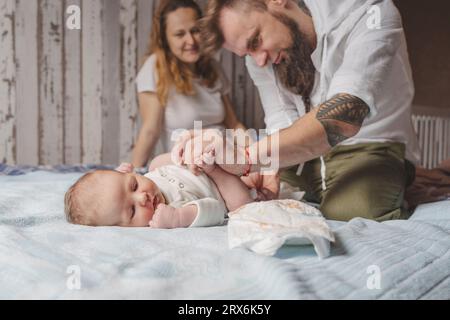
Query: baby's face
point(126, 200)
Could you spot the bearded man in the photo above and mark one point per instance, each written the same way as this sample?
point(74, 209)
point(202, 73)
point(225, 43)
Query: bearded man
point(334, 77)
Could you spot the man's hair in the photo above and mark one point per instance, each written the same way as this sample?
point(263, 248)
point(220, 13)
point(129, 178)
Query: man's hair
point(211, 33)
point(74, 206)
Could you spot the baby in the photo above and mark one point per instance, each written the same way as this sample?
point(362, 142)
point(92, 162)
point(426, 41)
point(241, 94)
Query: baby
point(167, 197)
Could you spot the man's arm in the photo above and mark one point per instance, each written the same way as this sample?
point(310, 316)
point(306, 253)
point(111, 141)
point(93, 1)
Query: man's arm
point(342, 117)
point(313, 135)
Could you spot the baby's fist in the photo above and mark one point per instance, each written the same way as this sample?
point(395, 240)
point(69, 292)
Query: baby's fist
point(165, 217)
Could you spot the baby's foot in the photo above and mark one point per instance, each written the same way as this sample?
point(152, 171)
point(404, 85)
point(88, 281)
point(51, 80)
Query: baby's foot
point(208, 160)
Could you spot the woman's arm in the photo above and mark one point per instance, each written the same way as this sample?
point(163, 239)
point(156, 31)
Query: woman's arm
point(231, 121)
point(152, 114)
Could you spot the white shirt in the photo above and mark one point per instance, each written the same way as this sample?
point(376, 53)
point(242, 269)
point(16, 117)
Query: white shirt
point(181, 110)
point(352, 58)
point(181, 188)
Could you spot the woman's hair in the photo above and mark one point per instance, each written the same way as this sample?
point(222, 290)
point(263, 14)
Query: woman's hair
point(169, 69)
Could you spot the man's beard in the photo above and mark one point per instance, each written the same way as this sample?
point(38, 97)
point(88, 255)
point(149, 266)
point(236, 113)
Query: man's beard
point(297, 72)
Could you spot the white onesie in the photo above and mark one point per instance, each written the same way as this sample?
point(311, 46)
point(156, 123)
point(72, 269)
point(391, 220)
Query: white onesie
point(181, 188)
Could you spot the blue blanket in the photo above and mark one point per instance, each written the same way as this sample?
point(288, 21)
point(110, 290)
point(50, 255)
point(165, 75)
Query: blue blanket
point(43, 257)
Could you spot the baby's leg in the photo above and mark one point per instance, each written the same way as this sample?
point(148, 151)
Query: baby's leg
point(234, 192)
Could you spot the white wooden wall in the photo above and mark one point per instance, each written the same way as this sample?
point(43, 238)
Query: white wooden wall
point(68, 96)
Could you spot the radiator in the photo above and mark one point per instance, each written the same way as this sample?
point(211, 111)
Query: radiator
point(433, 133)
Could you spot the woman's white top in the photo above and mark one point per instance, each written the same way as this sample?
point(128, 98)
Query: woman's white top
point(182, 110)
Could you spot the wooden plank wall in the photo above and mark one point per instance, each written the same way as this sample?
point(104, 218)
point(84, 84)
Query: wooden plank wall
point(68, 96)
point(7, 82)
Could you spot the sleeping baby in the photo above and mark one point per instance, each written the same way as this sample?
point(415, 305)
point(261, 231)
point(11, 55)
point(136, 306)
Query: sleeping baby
point(167, 197)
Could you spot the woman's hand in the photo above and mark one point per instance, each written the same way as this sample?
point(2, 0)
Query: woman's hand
point(125, 168)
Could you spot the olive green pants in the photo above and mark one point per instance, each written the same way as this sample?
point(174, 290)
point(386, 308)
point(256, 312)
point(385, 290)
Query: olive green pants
point(364, 180)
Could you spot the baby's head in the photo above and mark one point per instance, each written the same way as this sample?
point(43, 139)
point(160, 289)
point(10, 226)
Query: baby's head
point(111, 198)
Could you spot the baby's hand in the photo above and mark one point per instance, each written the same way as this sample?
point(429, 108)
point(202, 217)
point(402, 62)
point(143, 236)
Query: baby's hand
point(165, 217)
point(125, 168)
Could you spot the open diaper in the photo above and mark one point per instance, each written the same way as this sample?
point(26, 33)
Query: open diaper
point(264, 227)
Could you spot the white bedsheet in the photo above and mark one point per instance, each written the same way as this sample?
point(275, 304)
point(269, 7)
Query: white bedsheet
point(37, 247)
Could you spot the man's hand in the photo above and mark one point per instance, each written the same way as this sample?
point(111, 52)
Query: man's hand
point(232, 157)
point(125, 168)
point(229, 156)
point(179, 147)
point(267, 186)
point(193, 150)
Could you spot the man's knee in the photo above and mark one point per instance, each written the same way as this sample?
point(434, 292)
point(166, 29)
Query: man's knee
point(367, 195)
point(335, 208)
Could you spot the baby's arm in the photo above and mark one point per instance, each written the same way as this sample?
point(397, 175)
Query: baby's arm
point(234, 192)
point(203, 212)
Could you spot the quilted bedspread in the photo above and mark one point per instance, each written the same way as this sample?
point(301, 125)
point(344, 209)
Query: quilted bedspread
point(44, 257)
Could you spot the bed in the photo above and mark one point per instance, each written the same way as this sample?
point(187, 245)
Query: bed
point(41, 254)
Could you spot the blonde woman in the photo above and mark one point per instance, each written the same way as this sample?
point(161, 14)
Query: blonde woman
point(176, 84)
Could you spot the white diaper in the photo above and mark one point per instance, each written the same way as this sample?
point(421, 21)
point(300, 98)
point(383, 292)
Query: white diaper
point(264, 227)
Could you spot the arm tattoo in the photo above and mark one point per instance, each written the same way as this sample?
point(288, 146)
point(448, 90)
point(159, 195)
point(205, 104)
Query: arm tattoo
point(303, 6)
point(340, 110)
